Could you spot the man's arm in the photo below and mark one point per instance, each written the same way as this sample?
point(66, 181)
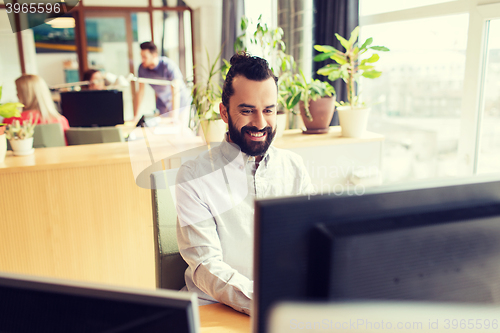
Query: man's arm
point(199, 245)
point(138, 101)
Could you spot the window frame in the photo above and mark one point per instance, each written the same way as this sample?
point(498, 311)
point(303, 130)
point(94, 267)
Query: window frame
point(79, 13)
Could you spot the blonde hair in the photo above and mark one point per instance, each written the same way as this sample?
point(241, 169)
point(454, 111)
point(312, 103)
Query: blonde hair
point(34, 93)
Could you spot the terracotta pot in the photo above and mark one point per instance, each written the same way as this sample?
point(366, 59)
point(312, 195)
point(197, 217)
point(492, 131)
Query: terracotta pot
point(2, 129)
point(322, 114)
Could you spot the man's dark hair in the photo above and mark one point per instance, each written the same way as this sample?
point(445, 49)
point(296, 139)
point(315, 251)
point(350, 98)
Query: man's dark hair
point(251, 67)
point(149, 46)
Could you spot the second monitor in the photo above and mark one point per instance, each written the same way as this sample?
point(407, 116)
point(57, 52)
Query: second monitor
point(92, 108)
point(431, 244)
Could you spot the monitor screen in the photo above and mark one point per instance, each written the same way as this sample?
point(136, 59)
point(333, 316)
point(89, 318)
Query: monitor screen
point(32, 304)
point(92, 108)
point(435, 243)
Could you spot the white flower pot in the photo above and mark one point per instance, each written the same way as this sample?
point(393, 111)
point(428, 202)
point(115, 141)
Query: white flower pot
point(280, 124)
point(3, 147)
point(214, 130)
point(22, 147)
point(353, 121)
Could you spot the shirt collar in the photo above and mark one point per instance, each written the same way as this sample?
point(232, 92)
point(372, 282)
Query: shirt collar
point(230, 150)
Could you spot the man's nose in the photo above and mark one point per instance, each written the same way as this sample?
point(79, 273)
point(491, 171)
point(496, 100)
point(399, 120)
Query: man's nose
point(259, 120)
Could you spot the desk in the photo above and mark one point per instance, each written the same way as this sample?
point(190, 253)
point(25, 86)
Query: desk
point(219, 318)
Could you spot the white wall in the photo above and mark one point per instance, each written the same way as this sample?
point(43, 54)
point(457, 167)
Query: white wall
point(50, 66)
point(10, 68)
point(207, 18)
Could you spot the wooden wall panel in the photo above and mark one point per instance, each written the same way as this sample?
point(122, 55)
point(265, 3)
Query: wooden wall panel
point(88, 223)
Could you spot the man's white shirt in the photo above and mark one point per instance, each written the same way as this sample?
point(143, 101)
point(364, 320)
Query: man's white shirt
point(215, 196)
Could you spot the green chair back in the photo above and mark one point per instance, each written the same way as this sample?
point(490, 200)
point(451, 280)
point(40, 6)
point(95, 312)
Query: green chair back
point(170, 266)
point(46, 135)
point(84, 135)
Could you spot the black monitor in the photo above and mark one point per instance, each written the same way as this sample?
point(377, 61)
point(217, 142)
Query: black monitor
point(92, 108)
point(436, 244)
point(34, 304)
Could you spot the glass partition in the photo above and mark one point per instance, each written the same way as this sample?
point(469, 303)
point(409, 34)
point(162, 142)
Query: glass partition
point(108, 49)
point(489, 148)
point(10, 68)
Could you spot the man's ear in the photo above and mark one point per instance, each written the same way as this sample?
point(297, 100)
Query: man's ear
point(223, 113)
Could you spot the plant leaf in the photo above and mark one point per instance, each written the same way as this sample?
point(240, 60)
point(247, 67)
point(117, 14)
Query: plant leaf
point(244, 23)
point(366, 43)
point(365, 67)
point(374, 58)
point(354, 36)
point(343, 41)
point(335, 75)
point(372, 74)
point(326, 70)
point(323, 56)
point(339, 59)
point(9, 110)
point(325, 48)
point(293, 100)
point(379, 48)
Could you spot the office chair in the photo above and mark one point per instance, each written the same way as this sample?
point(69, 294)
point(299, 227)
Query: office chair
point(90, 135)
point(170, 266)
point(46, 135)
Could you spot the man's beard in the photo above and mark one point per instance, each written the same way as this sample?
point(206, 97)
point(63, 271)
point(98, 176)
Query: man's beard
point(252, 148)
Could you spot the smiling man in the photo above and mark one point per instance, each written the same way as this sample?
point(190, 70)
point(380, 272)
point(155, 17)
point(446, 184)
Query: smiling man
point(216, 192)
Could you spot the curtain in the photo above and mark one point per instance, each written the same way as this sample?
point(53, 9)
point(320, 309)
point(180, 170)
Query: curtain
point(232, 11)
point(330, 17)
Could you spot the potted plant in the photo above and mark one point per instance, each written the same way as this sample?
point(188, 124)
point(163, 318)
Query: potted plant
point(316, 100)
point(20, 136)
point(7, 110)
point(353, 114)
point(207, 96)
point(270, 42)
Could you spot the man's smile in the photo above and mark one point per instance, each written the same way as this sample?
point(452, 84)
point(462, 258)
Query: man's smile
point(256, 136)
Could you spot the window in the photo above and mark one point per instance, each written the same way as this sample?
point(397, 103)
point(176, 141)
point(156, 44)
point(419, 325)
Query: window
point(427, 101)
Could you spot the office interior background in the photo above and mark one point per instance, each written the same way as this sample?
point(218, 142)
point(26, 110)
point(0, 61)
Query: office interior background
point(437, 102)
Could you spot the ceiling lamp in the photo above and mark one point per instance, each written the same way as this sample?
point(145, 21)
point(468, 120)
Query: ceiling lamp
point(61, 22)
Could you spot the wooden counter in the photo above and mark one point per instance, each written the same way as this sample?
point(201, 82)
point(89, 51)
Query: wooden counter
point(334, 162)
point(292, 139)
point(76, 213)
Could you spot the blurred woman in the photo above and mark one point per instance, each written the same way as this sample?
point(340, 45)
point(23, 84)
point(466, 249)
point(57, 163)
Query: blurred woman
point(96, 80)
point(34, 93)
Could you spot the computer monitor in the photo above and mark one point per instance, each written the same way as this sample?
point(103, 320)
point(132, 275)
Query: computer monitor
point(438, 244)
point(35, 304)
point(92, 108)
